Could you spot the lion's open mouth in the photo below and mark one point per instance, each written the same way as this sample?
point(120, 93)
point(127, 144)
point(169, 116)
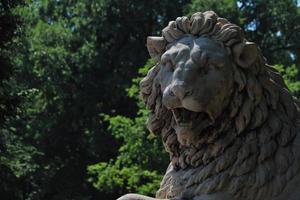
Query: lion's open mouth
point(187, 118)
point(189, 125)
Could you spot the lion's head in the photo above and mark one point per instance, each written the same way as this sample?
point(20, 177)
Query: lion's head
point(209, 85)
point(196, 83)
point(224, 114)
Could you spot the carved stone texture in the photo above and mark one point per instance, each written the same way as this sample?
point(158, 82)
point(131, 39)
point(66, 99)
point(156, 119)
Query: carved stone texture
point(225, 116)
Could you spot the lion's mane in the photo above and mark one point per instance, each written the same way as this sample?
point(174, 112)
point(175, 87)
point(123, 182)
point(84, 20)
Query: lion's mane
point(249, 148)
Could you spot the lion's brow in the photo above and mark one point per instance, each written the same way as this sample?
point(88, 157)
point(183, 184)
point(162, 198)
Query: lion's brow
point(181, 54)
point(174, 56)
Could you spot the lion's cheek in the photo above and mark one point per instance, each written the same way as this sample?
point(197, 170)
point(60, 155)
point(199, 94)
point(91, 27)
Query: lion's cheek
point(210, 98)
point(164, 79)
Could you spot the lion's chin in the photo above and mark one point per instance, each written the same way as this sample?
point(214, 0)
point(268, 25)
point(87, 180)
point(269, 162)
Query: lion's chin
point(189, 125)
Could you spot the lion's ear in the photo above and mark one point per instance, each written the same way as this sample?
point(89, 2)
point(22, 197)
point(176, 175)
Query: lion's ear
point(156, 46)
point(245, 54)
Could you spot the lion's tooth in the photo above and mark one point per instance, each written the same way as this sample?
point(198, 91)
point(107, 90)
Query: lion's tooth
point(176, 114)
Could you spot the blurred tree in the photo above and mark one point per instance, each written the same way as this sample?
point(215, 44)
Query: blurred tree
point(273, 25)
point(8, 24)
point(9, 100)
point(141, 161)
point(74, 61)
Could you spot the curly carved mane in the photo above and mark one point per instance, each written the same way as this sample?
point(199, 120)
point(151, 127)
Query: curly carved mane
point(249, 145)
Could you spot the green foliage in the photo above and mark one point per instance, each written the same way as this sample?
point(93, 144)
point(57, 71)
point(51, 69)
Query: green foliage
point(19, 157)
point(289, 75)
point(110, 177)
point(141, 160)
point(12, 154)
point(224, 8)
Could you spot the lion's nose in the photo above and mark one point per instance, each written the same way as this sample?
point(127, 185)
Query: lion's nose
point(180, 90)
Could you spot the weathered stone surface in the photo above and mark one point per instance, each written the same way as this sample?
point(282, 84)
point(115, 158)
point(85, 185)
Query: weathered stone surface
point(226, 117)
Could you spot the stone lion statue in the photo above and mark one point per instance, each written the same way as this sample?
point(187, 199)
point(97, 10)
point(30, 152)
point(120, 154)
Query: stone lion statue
point(225, 116)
